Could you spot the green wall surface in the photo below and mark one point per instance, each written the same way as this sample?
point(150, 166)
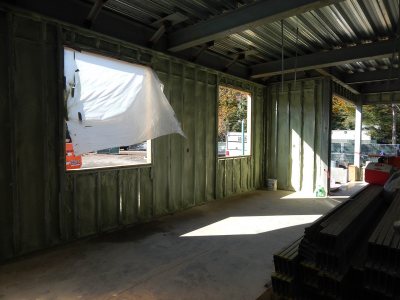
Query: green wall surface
point(298, 138)
point(41, 204)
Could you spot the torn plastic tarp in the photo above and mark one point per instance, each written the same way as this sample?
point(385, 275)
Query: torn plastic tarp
point(113, 103)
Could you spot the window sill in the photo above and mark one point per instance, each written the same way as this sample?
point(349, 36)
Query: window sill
point(233, 157)
point(110, 168)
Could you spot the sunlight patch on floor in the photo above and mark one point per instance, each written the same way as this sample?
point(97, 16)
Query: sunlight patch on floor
point(300, 195)
point(251, 225)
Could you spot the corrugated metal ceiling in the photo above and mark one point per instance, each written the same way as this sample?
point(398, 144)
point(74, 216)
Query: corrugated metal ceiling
point(345, 24)
point(348, 23)
point(150, 11)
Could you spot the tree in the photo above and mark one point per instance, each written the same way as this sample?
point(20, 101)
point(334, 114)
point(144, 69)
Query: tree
point(343, 114)
point(378, 120)
point(232, 109)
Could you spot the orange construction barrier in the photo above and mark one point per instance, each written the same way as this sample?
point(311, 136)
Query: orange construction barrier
point(72, 161)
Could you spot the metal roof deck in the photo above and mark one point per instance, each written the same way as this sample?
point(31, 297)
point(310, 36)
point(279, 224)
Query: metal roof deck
point(244, 37)
point(336, 26)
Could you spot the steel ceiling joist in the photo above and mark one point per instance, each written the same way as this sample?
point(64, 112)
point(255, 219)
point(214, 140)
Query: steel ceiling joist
point(201, 50)
point(337, 80)
point(381, 98)
point(258, 13)
point(326, 59)
point(94, 12)
point(372, 76)
point(381, 87)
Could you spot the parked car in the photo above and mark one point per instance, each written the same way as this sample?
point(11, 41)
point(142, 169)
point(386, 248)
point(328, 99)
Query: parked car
point(139, 147)
point(136, 147)
point(221, 148)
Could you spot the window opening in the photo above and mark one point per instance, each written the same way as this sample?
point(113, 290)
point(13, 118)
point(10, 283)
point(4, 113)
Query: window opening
point(234, 122)
point(114, 110)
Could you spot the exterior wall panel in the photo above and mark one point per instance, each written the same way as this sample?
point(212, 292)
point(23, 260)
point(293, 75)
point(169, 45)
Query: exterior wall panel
point(129, 196)
point(298, 134)
point(87, 208)
point(109, 201)
point(176, 142)
point(30, 158)
point(210, 145)
point(6, 131)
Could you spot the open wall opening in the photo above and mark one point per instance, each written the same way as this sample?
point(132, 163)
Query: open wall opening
point(381, 124)
point(377, 133)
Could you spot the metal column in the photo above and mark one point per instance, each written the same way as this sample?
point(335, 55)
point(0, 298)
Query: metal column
point(357, 137)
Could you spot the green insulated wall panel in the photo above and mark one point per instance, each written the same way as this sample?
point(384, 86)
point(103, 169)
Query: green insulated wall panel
point(7, 161)
point(298, 134)
point(29, 187)
point(41, 204)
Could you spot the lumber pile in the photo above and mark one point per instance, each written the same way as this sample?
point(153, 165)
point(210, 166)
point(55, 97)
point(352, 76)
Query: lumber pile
point(352, 252)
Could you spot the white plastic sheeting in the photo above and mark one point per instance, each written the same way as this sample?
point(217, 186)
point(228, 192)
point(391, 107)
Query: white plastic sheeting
point(113, 103)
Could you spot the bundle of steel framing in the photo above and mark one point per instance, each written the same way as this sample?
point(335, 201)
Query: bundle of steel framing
point(352, 252)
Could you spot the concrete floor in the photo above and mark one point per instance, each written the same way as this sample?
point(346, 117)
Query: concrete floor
point(228, 260)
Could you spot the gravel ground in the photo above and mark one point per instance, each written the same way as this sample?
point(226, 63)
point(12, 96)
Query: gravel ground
point(125, 158)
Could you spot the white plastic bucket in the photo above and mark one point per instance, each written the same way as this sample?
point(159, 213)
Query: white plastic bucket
point(272, 184)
